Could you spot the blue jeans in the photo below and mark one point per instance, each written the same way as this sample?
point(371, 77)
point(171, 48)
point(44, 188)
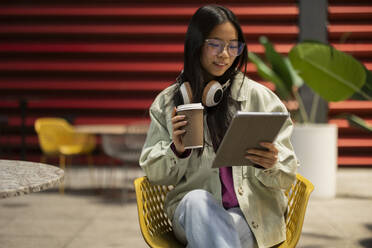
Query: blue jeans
point(200, 221)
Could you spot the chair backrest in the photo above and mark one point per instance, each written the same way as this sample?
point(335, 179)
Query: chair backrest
point(52, 132)
point(298, 197)
point(126, 147)
point(156, 228)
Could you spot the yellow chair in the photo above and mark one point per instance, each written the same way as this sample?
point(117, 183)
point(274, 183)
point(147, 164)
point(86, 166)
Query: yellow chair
point(58, 138)
point(156, 228)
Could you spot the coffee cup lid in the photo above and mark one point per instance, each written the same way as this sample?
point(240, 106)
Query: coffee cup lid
point(190, 106)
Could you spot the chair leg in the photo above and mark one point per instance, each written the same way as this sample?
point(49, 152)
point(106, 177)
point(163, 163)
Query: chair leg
point(62, 165)
point(113, 175)
point(43, 159)
point(68, 163)
point(91, 167)
point(125, 180)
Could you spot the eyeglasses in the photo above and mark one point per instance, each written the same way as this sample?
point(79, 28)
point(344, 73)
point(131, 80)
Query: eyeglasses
point(216, 46)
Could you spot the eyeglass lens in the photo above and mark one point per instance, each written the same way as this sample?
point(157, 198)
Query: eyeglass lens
point(234, 48)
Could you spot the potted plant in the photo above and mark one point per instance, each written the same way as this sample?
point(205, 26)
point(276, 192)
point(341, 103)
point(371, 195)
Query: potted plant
point(334, 76)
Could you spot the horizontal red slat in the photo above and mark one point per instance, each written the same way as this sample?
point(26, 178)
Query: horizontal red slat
point(350, 9)
point(139, 104)
point(351, 105)
point(87, 104)
point(93, 48)
point(281, 30)
point(355, 11)
point(96, 11)
point(355, 160)
point(92, 66)
point(167, 11)
point(94, 29)
point(17, 140)
point(9, 104)
point(83, 85)
point(355, 142)
point(81, 120)
point(355, 30)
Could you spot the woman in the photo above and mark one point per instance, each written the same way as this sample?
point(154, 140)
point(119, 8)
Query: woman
point(227, 207)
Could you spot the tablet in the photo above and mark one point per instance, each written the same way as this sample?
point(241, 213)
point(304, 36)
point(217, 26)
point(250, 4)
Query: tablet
point(246, 131)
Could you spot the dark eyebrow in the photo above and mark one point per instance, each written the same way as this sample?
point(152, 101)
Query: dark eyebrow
point(223, 40)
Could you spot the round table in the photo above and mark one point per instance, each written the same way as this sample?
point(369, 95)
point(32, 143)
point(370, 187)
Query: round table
point(22, 177)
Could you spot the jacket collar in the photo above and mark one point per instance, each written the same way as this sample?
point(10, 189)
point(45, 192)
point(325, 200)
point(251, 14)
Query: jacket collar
point(240, 88)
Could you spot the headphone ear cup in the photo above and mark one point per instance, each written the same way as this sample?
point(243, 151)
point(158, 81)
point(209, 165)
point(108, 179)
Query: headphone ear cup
point(186, 92)
point(212, 94)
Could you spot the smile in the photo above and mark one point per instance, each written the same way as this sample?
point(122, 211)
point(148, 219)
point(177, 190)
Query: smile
point(219, 64)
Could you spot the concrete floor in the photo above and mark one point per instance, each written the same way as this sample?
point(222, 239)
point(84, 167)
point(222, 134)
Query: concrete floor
point(86, 217)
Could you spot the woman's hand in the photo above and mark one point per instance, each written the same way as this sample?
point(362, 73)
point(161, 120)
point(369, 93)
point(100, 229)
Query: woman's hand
point(178, 122)
point(265, 158)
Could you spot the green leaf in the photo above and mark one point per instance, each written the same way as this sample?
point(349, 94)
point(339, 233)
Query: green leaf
point(296, 79)
point(268, 74)
point(334, 75)
point(278, 64)
point(367, 87)
point(358, 122)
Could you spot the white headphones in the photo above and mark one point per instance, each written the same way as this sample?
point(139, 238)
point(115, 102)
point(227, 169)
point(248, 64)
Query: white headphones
point(212, 93)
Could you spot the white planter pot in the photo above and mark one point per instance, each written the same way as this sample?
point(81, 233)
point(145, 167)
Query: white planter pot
point(316, 148)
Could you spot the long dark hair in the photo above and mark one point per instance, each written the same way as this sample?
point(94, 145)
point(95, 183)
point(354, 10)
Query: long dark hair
point(200, 26)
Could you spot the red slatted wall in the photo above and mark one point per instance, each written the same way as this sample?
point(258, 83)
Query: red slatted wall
point(104, 61)
point(350, 30)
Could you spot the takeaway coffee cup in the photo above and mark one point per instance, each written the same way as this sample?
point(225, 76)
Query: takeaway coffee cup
point(193, 137)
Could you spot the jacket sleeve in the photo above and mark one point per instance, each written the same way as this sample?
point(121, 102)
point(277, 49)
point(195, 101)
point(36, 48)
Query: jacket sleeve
point(160, 164)
point(283, 173)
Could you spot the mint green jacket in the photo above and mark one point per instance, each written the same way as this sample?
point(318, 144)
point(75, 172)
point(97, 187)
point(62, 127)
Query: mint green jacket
point(260, 192)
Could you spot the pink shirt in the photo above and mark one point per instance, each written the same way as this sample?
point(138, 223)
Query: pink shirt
point(229, 199)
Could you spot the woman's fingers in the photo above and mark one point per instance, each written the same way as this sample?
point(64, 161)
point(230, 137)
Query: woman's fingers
point(178, 121)
point(259, 158)
point(179, 125)
point(272, 152)
point(264, 162)
point(261, 153)
point(269, 146)
point(179, 132)
point(266, 158)
point(178, 118)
